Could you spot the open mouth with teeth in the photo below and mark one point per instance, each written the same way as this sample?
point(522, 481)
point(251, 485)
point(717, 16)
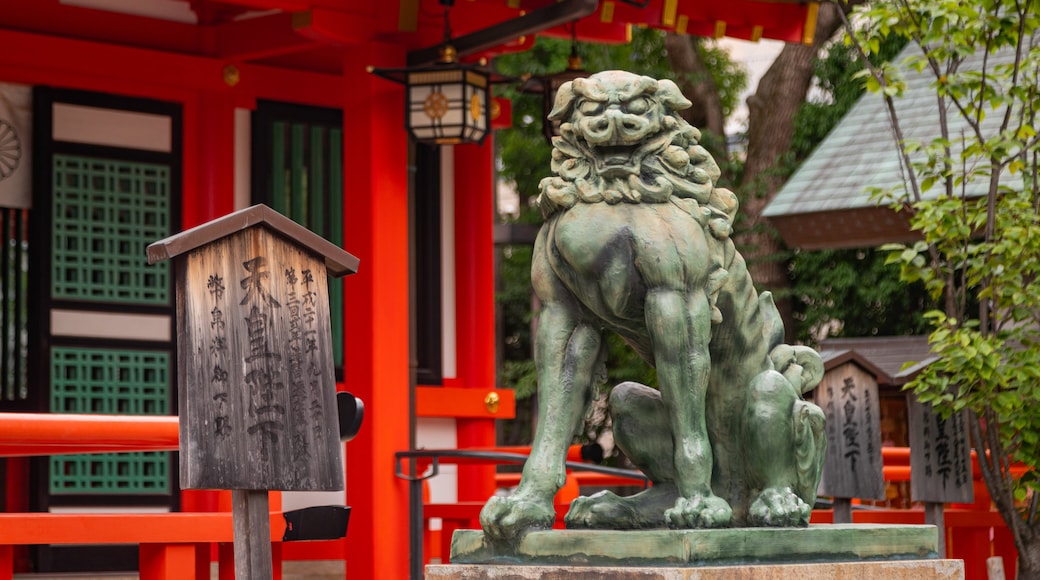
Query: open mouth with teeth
point(617, 159)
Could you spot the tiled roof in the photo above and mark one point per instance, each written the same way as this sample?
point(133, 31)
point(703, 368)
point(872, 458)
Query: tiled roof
point(860, 152)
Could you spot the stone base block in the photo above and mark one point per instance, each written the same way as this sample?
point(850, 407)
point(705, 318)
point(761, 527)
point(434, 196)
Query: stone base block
point(890, 570)
point(719, 547)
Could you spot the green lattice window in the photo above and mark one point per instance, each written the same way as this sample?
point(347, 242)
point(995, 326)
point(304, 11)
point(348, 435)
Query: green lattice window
point(110, 381)
point(298, 171)
point(111, 473)
point(105, 213)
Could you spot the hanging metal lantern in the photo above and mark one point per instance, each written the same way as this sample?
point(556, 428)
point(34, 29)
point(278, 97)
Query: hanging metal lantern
point(446, 103)
point(549, 85)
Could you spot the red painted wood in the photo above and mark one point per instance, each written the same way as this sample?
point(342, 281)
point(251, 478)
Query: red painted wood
point(166, 561)
point(1004, 546)
point(214, 158)
point(6, 562)
point(24, 434)
point(475, 303)
point(112, 528)
point(226, 561)
point(97, 66)
point(461, 402)
point(376, 312)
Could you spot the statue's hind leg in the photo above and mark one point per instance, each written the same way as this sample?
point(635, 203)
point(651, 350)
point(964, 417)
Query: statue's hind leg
point(640, 425)
point(785, 447)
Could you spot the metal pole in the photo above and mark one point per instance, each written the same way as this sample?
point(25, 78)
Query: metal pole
point(415, 531)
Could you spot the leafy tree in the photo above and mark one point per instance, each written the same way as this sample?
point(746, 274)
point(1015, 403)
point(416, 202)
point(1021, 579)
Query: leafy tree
point(827, 293)
point(832, 298)
point(972, 193)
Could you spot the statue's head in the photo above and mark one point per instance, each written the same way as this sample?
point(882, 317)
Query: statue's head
point(619, 116)
point(622, 139)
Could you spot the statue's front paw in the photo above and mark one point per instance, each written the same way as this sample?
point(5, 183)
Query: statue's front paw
point(779, 508)
point(508, 518)
point(699, 511)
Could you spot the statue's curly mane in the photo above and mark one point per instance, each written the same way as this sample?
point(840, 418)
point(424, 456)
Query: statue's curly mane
point(673, 166)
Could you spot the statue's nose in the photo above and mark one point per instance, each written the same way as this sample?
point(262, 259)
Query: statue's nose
point(613, 124)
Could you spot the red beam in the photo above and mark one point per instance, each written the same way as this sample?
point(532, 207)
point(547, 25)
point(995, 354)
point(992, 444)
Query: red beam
point(462, 402)
point(53, 18)
point(24, 434)
point(40, 59)
point(287, 5)
point(124, 528)
point(334, 27)
point(261, 37)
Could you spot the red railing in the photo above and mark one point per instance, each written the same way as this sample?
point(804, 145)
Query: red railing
point(172, 546)
point(974, 532)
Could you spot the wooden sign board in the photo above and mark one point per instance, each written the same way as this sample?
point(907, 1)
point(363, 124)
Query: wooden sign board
point(852, 466)
point(256, 382)
point(940, 456)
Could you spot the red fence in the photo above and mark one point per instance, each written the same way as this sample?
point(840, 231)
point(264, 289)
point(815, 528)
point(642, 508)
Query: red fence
point(974, 532)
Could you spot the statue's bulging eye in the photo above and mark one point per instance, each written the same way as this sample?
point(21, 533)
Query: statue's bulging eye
point(638, 106)
point(590, 107)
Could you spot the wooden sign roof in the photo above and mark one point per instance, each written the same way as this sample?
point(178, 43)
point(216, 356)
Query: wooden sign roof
point(337, 261)
point(883, 356)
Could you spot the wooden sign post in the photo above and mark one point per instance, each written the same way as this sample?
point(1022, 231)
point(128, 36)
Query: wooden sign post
point(256, 384)
point(940, 463)
point(852, 465)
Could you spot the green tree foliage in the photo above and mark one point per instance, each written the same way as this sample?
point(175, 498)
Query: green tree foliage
point(853, 293)
point(973, 194)
point(845, 292)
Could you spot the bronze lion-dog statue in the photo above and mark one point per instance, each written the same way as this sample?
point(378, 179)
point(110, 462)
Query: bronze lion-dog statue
point(636, 241)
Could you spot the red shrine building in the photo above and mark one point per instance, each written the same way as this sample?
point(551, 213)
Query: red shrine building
point(123, 122)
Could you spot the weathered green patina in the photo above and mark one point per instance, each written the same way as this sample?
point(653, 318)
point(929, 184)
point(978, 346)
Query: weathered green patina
point(636, 241)
point(731, 546)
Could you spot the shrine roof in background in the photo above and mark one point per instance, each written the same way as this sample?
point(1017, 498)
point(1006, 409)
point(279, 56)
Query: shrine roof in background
point(310, 34)
point(827, 202)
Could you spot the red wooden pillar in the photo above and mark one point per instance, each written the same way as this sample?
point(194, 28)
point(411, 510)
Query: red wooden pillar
point(167, 561)
point(6, 562)
point(209, 158)
point(16, 484)
point(1004, 546)
point(208, 192)
point(376, 361)
point(475, 303)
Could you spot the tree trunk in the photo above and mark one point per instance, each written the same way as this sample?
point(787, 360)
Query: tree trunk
point(771, 113)
point(1029, 564)
point(697, 84)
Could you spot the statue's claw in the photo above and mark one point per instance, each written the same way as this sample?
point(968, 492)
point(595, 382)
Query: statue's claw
point(508, 518)
point(779, 508)
point(699, 511)
point(606, 510)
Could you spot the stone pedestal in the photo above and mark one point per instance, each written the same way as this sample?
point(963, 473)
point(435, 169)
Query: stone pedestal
point(895, 570)
point(848, 551)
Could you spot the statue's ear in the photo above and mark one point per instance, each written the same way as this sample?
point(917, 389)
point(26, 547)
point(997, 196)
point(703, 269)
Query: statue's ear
point(671, 96)
point(564, 101)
